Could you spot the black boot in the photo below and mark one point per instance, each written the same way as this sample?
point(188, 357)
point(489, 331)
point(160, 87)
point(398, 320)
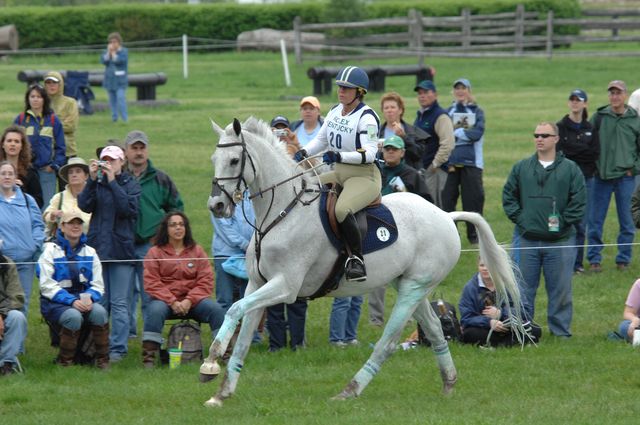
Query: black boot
point(354, 267)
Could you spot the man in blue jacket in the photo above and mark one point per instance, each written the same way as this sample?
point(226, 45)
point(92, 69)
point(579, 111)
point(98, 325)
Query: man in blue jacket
point(545, 197)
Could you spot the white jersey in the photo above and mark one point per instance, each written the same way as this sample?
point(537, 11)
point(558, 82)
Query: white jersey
point(355, 135)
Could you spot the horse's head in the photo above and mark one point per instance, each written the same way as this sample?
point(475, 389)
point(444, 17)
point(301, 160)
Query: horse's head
point(234, 170)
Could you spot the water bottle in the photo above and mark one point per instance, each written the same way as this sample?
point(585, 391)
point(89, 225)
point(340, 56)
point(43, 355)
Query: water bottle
point(636, 337)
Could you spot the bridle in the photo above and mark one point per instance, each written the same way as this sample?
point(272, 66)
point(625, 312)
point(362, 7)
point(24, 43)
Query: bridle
point(238, 193)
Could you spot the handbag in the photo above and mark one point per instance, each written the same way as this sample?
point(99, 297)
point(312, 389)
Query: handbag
point(236, 266)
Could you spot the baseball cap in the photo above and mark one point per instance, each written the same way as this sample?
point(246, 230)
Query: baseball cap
point(311, 100)
point(280, 120)
point(462, 81)
point(425, 85)
point(70, 215)
point(617, 84)
point(136, 136)
point(52, 78)
point(580, 94)
point(112, 152)
point(394, 142)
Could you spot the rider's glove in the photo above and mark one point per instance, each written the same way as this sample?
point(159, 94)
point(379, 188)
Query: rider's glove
point(300, 155)
point(330, 157)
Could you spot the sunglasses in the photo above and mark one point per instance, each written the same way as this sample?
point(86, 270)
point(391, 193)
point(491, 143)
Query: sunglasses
point(542, 135)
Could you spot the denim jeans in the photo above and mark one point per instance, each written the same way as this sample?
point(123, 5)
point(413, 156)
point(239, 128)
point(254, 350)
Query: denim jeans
point(622, 188)
point(118, 285)
point(118, 103)
point(581, 227)
point(48, 182)
point(555, 260)
point(277, 324)
point(15, 331)
point(138, 289)
point(157, 312)
point(73, 319)
point(343, 323)
point(229, 288)
point(624, 328)
point(26, 273)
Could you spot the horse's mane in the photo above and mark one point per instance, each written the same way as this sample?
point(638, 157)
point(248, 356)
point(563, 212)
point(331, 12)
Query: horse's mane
point(260, 129)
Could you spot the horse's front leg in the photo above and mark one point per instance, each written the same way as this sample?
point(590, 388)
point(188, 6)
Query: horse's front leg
point(276, 291)
point(410, 293)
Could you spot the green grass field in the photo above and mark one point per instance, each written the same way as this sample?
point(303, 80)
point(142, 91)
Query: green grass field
point(586, 380)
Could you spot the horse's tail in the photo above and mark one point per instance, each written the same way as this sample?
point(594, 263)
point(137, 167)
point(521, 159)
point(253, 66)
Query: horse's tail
point(500, 267)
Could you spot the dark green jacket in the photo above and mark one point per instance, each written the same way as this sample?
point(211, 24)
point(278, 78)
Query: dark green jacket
point(619, 142)
point(159, 196)
point(530, 191)
point(11, 292)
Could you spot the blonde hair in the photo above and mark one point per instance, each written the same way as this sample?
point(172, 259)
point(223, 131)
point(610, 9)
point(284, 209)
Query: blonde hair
point(395, 97)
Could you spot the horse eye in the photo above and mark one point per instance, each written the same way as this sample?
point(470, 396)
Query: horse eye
point(234, 161)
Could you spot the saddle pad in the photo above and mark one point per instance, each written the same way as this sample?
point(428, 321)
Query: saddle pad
point(381, 227)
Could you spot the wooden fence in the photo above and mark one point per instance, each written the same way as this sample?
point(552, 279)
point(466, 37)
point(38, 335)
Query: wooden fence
point(518, 33)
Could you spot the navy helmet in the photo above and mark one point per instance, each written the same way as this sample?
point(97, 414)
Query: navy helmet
point(353, 77)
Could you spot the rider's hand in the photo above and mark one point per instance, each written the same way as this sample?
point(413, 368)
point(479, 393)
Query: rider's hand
point(330, 157)
point(300, 155)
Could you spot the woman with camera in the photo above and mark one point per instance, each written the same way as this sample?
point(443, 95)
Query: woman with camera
point(111, 196)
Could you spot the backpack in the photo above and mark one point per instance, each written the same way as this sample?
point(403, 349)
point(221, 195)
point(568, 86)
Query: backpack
point(186, 334)
point(446, 312)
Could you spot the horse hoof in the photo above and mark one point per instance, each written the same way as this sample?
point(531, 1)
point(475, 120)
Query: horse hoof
point(209, 371)
point(213, 402)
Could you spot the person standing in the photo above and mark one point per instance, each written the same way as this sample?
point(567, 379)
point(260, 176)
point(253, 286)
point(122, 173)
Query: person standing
point(13, 323)
point(17, 150)
point(21, 228)
point(414, 139)
point(46, 136)
point(466, 162)
point(434, 120)
point(159, 196)
point(71, 286)
point(66, 108)
point(116, 61)
point(545, 197)
point(579, 143)
point(309, 125)
point(112, 197)
point(618, 129)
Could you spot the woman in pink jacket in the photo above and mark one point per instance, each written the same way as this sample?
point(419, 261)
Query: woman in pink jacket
point(179, 279)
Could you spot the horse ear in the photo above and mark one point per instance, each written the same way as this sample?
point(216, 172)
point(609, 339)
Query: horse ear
point(237, 128)
point(217, 128)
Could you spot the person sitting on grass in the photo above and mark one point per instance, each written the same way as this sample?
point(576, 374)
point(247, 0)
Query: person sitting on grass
point(13, 323)
point(631, 314)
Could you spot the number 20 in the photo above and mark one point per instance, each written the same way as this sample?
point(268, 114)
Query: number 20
point(338, 138)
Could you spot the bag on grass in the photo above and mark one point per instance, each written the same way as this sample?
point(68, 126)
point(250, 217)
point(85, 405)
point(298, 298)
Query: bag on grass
point(186, 334)
point(446, 312)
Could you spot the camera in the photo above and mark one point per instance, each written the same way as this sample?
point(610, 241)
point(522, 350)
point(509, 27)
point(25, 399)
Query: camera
point(280, 132)
point(101, 163)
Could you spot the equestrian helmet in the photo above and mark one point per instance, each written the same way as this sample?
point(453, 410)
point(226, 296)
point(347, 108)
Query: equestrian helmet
point(353, 77)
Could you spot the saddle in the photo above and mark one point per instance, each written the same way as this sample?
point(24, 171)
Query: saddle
point(377, 228)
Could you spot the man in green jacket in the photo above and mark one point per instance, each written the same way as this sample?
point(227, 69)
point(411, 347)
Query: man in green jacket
point(618, 128)
point(159, 196)
point(545, 196)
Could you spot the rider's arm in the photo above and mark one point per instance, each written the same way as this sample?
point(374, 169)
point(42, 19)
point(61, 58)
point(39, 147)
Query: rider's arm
point(319, 143)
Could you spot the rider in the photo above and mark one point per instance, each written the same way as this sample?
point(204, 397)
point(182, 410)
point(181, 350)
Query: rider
point(349, 138)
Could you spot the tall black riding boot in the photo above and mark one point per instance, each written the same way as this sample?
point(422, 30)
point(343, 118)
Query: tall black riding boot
point(354, 267)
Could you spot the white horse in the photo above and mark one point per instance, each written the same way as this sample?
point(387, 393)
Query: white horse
point(293, 256)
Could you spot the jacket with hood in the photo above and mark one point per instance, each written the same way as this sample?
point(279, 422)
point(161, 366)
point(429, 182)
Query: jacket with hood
point(21, 227)
point(619, 142)
point(66, 108)
point(11, 292)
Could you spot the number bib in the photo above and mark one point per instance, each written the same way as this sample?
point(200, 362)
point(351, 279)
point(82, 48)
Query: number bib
point(342, 131)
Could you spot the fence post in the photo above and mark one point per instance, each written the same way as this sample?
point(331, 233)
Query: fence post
point(415, 33)
point(549, 34)
point(519, 35)
point(614, 31)
point(466, 29)
point(297, 39)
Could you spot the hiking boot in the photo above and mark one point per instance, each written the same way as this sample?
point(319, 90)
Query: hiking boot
point(622, 266)
point(595, 268)
point(68, 346)
point(354, 269)
point(150, 350)
point(7, 369)
point(101, 342)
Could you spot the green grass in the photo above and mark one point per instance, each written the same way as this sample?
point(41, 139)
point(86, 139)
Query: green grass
point(587, 379)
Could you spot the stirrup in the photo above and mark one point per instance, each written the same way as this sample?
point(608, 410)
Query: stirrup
point(359, 275)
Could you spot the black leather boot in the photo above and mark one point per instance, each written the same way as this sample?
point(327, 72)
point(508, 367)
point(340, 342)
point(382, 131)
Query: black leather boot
point(354, 269)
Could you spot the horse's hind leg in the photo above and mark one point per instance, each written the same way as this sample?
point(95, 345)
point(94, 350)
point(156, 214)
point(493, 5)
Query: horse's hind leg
point(432, 328)
point(234, 366)
point(410, 293)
